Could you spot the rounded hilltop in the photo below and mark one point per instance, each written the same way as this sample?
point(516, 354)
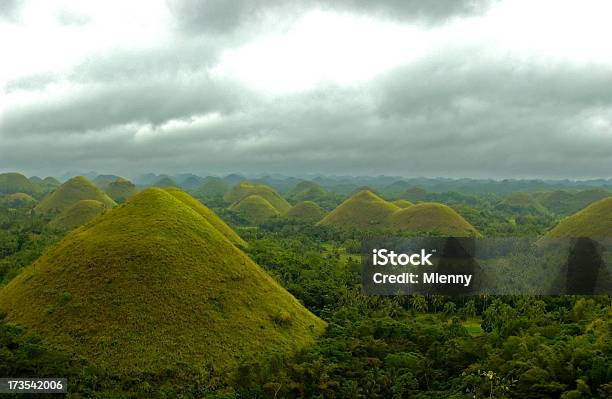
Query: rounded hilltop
point(593, 221)
point(120, 190)
point(153, 284)
point(364, 210)
point(244, 189)
point(429, 217)
point(402, 203)
point(18, 200)
point(78, 215)
point(12, 183)
point(307, 211)
point(255, 208)
point(72, 191)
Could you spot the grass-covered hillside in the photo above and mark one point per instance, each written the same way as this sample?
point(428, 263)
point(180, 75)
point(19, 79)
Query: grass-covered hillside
point(402, 203)
point(151, 285)
point(431, 218)
point(307, 211)
point(364, 210)
point(78, 215)
point(255, 208)
point(74, 190)
point(11, 183)
point(593, 221)
point(18, 200)
point(120, 190)
point(245, 189)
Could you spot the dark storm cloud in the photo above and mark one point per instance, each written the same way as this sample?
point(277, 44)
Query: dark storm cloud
point(220, 16)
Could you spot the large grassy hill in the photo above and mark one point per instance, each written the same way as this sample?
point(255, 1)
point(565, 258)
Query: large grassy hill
point(78, 215)
point(593, 221)
point(364, 210)
point(11, 183)
point(306, 211)
point(255, 209)
point(245, 189)
point(207, 214)
point(17, 200)
point(152, 285)
point(431, 217)
point(74, 190)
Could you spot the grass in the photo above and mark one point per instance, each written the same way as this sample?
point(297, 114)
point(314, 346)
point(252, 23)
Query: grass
point(120, 190)
point(245, 189)
point(402, 203)
point(78, 215)
point(152, 284)
point(255, 209)
point(364, 210)
point(593, 221)
point(18, 200)
point(306, 211)
point(11, 183)
point(74, 190)
point(473, 327)
point(431, 218)
point(207, 214)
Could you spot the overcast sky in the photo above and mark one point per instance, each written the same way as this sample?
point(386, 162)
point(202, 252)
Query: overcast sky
point(519, 88)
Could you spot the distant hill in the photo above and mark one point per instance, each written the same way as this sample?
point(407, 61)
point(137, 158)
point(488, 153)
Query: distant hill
point(402, 203)
point(245, 189)
point(364, 210)
point(568, 202)
point(207, 214)
point(307, 211)
point(76, 189)
point(431, 218)
point(520, 203)
point(212, 187)
point(414, 194)
point(78, 215)
point(255, 209)
point(593, 221)
point(165, 182)
point(120, 190)
point(102, 181)
point(150, 284)
point(11, 183)
point(18, 200)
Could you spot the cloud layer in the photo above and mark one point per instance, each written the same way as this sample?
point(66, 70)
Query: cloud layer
point(430, 89)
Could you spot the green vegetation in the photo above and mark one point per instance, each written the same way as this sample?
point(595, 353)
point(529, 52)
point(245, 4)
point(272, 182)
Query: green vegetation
point(255, 209)
point(74, 190)
point(431, 218)
point(593, 221)
point(165, 182)
point(213, 187)
point(208, 215)
point(306, 211)
point(311, 191)
point(402, 203)
point(120, 190)
point(364, 210)
point(568, 202)
point(18, 200)
point(11, 183)
point(150, 286)
point(78, 215)
point(245, 189)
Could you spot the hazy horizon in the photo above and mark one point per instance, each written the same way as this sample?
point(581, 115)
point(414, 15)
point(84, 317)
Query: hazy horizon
point(476, 89)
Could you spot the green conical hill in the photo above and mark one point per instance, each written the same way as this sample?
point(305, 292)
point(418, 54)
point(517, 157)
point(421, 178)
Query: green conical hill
point(150, 286)
point(593, 221)
point(364, 210)
point(207, 214)
point(78, 215)
point(429, 217)
point(18, 200)
point(120, 190)
point(213, 187)
point(402, 203)
point(255, 209)
point(11, 183)
point(76, 189)
point(165, 182)
point(307, 211)
point(245, 189)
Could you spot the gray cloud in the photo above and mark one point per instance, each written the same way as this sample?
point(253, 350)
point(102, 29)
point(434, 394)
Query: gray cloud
point(456, 113)
point(219, 16)
point(9, 9)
